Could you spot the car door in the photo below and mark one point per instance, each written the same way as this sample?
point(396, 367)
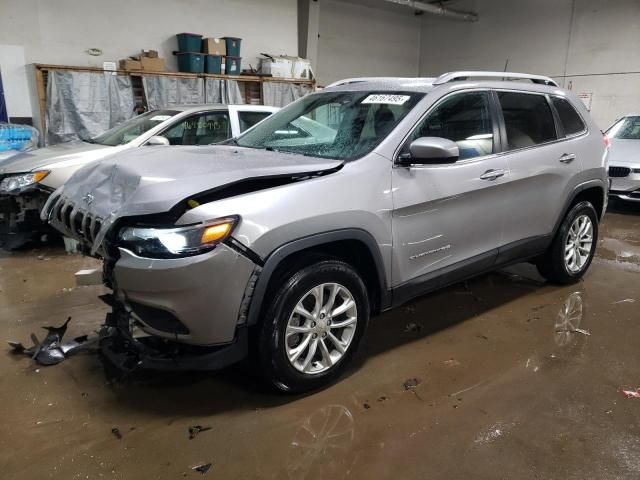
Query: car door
point(448, 217)
point(544, 165)
point(200, 129)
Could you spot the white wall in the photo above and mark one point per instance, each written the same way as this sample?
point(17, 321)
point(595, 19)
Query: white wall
point(60, 31)
point(593, 38)
point(358, 40)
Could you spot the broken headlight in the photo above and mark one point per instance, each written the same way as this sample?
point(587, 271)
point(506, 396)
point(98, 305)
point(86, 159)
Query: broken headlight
point(16, 182)
point(176, 242)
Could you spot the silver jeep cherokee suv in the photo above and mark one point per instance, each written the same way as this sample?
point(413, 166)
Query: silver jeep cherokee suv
point(282, 243)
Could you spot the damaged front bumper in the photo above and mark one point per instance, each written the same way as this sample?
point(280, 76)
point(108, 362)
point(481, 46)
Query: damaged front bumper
point(126, 347)
point(20, 217)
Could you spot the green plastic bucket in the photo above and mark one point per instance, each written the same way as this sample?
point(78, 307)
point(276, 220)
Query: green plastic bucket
point(232, 65)
point(190, 62)
point(189, 42)
point(233, 46)
point(213, 64)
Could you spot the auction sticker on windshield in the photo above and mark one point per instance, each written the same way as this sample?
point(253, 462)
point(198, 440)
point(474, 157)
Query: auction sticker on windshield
point(387, 99)
point(160, 118)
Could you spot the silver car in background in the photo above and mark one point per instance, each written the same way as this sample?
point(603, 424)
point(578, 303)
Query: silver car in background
point(624, 158)
point(27, 179)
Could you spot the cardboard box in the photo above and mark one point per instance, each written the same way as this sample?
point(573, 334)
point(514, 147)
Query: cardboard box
point(152, 64)
point(214, 46)
point(128, 64)
point(150, 53)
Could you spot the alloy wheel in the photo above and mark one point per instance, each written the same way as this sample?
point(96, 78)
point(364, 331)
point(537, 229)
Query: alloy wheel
point(320, 328)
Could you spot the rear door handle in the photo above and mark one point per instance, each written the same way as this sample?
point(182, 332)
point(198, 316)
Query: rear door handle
point(568, 157)
point(492, 174)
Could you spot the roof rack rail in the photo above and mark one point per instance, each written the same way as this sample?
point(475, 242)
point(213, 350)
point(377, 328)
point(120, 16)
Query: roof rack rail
point(452, 76)
point(348, 81)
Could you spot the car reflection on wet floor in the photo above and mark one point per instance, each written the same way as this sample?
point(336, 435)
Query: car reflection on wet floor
point(502, 376)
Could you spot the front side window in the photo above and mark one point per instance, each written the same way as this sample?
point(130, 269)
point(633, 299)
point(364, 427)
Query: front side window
point(133, 128)
point(249, 119)
point(627, 128)
point(341, 125)
point(571, 121)
point(464, 118)
point(200, 129)
point(527, 119)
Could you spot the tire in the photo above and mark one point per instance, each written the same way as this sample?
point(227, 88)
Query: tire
point(285, 362)
point(553, 265)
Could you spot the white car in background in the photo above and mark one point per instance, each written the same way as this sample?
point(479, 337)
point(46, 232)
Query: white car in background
point(624, 158)
point(27, 179)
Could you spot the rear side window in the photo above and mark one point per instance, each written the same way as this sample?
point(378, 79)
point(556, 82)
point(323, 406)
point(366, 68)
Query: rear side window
point(249, 119)
point(570, 119)
point(527, 118)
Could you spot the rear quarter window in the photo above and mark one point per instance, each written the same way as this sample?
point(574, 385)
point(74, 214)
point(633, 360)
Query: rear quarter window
point(571, 121)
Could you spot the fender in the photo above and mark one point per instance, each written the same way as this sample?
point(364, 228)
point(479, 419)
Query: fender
point(576, 191)
point(282, 252)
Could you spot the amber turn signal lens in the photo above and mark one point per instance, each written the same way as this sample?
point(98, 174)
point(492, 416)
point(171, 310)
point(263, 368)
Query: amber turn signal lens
point(216, 233)
point(37, 176)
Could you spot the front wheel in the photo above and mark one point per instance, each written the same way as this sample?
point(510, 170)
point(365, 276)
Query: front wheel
point(313, 326)
point(574, 246)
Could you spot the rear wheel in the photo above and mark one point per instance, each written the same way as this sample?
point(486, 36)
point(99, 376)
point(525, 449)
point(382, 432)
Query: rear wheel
point(574, 246)
point(313, 326)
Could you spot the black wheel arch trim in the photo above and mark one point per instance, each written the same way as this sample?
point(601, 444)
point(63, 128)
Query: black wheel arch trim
point(274, 259)
point(576, 191)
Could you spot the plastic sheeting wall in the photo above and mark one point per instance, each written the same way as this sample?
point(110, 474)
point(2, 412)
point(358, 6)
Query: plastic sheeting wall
point(279, 94)
point(169, 91)
point(222, 91)
point(84, 104)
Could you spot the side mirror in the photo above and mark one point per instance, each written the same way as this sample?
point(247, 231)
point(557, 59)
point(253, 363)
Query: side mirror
point(157, 140)
point(430, 151)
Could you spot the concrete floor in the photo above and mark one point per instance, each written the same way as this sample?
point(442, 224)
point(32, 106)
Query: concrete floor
point(503, 388)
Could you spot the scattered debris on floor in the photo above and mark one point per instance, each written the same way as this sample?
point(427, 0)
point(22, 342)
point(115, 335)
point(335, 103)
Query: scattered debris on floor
point(412, 327)
point(411, 383)
point(116, 433)
point(196, 429)
point(575, 330)
point(382, 398)
point(483, 337)
point(631, 393)
point(452, 362)
point(202, 468)
point(366, 406)
point(52, 350)
point(626, 300)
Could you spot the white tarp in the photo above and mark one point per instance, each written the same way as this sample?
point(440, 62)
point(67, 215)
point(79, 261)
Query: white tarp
point(82, 105)
point(222, 91)
point(162, 91)
point(279, 94)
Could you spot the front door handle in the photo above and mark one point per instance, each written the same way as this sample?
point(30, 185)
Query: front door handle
point(492, 174)
point(567, 158)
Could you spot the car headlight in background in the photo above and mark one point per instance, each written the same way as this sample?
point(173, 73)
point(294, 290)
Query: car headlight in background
point(16, 182)
point(176, 242)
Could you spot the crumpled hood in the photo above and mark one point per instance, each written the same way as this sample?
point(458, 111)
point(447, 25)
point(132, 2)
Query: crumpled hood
point(152, 180)
point(41, 157)
point(624, 151)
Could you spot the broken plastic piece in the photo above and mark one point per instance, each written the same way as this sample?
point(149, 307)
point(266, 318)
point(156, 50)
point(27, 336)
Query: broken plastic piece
point(411, 383)
point(631, 393)
point(203, 468)
point(195, 430)
point(51, 350)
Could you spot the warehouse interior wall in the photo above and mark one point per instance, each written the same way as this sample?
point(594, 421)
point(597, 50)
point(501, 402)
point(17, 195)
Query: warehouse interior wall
point(60, 32)
point(588, 46)
point(363, 39)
